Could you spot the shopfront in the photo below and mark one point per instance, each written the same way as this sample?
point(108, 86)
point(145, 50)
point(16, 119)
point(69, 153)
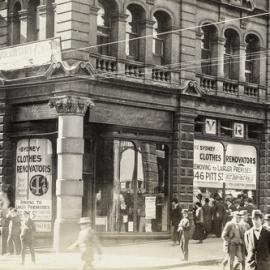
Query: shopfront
point(132, 186)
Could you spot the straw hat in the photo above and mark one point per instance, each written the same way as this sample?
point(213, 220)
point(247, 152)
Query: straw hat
point(85, 220)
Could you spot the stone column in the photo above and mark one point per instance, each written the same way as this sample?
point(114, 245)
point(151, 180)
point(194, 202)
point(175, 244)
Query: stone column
point(182, 152)
point(242, 62)
point(23, 18)
point(220, 63)
point(70, 149)
point(146, 44)
point(220, 55)
point(119, 33)
point(42, 12)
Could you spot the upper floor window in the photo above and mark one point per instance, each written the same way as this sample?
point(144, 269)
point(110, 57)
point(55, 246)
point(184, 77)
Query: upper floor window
point(134, 29)
point(231, 54)
point(103, 29)
point(33, 20)
point(252, 71)
point(16, 27)
point(161, 39)
point(209, 49)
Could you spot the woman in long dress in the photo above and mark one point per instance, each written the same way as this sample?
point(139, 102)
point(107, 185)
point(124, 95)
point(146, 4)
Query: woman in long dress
point(199, 232)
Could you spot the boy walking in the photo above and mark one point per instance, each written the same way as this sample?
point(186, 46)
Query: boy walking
point(184, 230)
point(27, 236)
point(88, 243)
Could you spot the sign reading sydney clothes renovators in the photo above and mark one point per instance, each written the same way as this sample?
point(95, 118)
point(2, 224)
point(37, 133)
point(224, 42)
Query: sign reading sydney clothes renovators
point(235, 165)
point(34, 181)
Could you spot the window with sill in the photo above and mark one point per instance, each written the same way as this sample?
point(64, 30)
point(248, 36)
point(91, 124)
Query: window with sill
point(252, 71)
point(104, 25)
point(16, 24)
point(209, 50)
point(162, 42)
point(134, 29)
point(231, 54)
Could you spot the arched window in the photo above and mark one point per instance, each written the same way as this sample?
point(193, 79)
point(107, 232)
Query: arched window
point(209, 50)
point(134, 29)
point(33, 21)
point(105, 26)
point(252, 71)
point(231, 55)
point(16, 29)
point(162, 42)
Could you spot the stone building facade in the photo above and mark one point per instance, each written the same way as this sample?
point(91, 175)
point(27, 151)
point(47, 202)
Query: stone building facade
point(110, 109)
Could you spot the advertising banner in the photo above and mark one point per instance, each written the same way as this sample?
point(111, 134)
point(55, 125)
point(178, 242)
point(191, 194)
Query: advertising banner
point(34, 180)
point(233, 164)
point(30, 54)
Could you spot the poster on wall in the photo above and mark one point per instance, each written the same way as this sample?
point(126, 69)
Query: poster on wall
point(216, 163)
point(34, 181)
point(150, 207)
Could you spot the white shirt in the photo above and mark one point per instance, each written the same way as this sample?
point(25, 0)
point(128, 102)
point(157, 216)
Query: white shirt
point(257, 232)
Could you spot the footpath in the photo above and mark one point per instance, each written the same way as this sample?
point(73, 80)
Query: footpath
point(139, 256)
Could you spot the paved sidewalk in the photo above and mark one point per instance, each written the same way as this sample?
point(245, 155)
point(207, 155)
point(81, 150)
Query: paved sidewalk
point(143, 256)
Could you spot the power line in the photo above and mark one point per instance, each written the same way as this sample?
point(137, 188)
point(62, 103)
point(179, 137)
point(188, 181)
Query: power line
point(169, 32)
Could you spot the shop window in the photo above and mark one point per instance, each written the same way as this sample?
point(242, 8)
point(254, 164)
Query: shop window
point(16, 34)
point(231, 55)
point(254, 131)
point(226, 128)
point(138, 200)
point(134, 29)
point(161, 42)
point(208, 49)
point(32, 20)
point(252, 59)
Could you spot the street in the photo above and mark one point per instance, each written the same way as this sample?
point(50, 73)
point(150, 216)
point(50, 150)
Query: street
point(141, 256)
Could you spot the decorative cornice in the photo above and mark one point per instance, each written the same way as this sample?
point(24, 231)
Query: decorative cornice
point(71, 104)
point(192, 88)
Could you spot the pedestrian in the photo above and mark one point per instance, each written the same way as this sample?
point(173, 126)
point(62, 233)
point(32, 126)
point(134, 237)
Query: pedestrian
point(266, 223)
point(257, 241)
point(250, 206)
point(14, 229)
point(176, 216)
point(199, 232)
point(27, 236)
point(244, 226)
point(207, 216)
point(231, 236)
point(218, 215)
point(88, 244)
point(184, 232)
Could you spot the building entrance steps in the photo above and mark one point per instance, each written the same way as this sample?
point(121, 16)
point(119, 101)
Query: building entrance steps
point(144, 256)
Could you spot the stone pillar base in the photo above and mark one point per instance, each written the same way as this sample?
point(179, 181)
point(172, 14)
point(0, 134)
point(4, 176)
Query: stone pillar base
point(65, 234)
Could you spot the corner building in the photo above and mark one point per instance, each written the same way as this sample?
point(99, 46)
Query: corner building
point(96, 121)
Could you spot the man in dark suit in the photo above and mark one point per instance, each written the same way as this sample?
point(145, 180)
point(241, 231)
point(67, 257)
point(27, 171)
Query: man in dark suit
point(257, 241)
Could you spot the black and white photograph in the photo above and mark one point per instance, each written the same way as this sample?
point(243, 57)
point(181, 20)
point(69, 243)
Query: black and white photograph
point(134, 134)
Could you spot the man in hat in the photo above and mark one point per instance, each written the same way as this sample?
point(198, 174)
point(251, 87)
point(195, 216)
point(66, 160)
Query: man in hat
point(266, 223)
point(231, 236)
point(27, 236)
point(88, 243)
point(244, 226)
point(257, 241)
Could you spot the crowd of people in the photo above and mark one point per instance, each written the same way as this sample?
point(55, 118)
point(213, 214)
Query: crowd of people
point(20, 234)
point(244, 230)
